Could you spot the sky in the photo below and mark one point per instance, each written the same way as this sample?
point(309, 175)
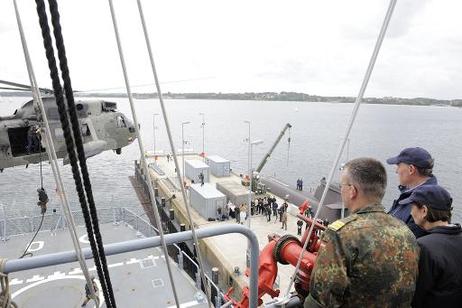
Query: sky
point(314, 47)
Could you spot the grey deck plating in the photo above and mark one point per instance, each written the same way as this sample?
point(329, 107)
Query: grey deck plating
point(139, 279)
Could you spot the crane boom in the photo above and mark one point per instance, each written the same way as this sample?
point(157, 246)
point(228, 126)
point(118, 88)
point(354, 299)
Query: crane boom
point(265, 158)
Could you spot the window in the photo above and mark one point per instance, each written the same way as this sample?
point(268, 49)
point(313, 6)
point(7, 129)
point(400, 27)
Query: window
point(121, 121)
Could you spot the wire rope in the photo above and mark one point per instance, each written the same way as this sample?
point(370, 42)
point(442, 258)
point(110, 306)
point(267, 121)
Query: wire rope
point(358, 100)
point(144, 165)
point(175, 158)
point(50, 149)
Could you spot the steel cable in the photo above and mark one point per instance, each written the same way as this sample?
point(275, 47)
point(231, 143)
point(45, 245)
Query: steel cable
point(142, 155)
point(172, 147)
point(367, 76)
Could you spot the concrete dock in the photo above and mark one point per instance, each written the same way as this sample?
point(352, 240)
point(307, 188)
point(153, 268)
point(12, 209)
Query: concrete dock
point(226, 252)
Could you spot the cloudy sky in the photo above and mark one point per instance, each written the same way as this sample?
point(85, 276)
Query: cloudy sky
point(315, 47)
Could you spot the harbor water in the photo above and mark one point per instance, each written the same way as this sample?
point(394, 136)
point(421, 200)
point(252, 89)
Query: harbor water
point(380, 131)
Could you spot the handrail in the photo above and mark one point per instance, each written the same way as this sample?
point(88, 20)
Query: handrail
point(145, 243)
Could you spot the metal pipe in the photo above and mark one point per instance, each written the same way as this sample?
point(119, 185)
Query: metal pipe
point(145, 243)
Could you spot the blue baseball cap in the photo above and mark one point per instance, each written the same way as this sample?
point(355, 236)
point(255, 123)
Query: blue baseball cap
point(418, 157)
point(433, 196)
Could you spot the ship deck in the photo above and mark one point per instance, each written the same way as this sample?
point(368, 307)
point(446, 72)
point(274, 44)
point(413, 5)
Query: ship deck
point(139, 279)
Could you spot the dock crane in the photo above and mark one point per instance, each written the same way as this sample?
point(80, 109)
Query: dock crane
point(255, 181)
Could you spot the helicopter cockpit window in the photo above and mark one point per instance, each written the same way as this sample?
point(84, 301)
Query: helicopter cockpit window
point(121, 121)
point(85, 130)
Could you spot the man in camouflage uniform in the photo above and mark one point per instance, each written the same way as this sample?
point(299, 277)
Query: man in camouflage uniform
point(369, 259)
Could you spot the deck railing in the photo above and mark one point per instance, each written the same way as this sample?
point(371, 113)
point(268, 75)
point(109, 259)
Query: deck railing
point(53, 222)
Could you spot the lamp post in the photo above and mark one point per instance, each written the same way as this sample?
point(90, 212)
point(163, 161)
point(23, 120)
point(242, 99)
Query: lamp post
point(250, 176)
point(256, 142)
point(154, 131)
point(203, 134)
point(182, 149)
point(249, 212)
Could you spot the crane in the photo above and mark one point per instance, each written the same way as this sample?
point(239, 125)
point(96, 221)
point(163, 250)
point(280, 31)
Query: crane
point(255, 182)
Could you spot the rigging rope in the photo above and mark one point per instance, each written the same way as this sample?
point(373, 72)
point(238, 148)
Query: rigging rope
point(142, 155)
point(5, 296)
point(175, 158)
point(52, 153)
point(55, 18)
point(359, 98)
point(90, 222)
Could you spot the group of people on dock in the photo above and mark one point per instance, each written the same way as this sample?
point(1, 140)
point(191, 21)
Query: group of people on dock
point(266, 206)
point(410, 256)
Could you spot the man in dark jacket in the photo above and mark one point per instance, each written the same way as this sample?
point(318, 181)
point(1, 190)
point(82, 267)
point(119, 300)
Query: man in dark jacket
point(414, 168)
point(439, 282)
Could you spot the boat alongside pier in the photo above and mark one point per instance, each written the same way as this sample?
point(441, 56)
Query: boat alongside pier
point(226, 253)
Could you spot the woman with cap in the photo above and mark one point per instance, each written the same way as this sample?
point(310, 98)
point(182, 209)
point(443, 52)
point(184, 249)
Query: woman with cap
point(414, 167)
point(439, 282)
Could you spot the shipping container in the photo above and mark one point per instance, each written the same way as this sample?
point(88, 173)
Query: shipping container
point(195, 167)
point(235, 192)
point(206, 199)
point(219, 166)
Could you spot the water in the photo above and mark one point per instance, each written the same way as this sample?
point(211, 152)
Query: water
point(380, 131)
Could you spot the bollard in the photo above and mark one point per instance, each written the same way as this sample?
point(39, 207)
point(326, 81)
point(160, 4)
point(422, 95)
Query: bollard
point(156, 191)
point(215, 275)
point(172, 214)
point(180, 260)
point(213, 288)
point(162, 201)
point(182, 227)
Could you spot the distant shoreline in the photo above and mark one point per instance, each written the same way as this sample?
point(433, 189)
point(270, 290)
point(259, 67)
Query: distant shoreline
point(271, 96)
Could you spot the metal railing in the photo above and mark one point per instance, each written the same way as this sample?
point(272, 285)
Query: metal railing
point(53, 222)
point(133, 245)
point(184, 261)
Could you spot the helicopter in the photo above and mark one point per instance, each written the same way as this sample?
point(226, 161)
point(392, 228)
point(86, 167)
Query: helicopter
point(102, 128)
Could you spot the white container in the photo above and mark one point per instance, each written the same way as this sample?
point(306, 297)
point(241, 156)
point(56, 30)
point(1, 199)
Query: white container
point(235, 192)
point(206, 199)
point(195, 167)
point(219, 166)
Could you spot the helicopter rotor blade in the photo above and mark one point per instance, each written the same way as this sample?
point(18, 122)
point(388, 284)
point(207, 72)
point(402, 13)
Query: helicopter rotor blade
point(26, 87)
point(15, 89)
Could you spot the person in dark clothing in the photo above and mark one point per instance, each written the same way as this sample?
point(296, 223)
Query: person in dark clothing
point(33, 140)
point(439, 283)
point(299, 227)
point(414, 167)
point(201, 178)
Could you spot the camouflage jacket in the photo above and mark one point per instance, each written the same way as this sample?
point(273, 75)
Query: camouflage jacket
point(370, 259)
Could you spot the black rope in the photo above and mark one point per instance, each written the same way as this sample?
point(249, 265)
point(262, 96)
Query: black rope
point(70, 143)
point(41, 172)
point(25, 253)
point(55, 18)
